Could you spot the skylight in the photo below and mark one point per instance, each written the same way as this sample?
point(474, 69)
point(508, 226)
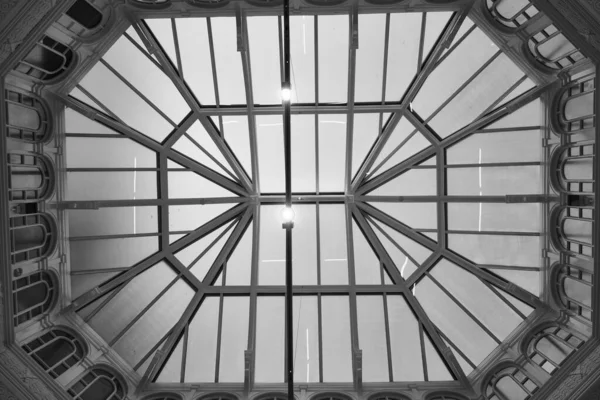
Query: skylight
point(412, 232)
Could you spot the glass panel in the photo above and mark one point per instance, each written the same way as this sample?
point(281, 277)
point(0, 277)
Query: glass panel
point(237, 136)
point(476, 97)
point(456, 69)
point(306, 339)
point(403, 54)
point(304, 245)
point(270, 352)
point(414, 249)
point(484, 304)
point(263, 36)
point(414, 182)
point(416, 215)
point(528, 115)
point(454, 322)
point(77, 123)
point(332, 152)
point(436, 369)
point(528, 280)
point(366, 264)
point(523, 217)
point(498, 249)
point(404, 341)
point(192, 34)
point(199, 257)
point(334, 257)
point(110, 253)
point(413, 145)
point(127, 60)
point(303, 153)
point(371, 334)
point(504, 147)
point(434, 26)
point(171, 372)
point(190, 217)
point(366, 130)
point(234, 339)
point(337, 357)
point(240, 262)
point(113, 221)
point(202, 343)
point(369, 57)
point(230, 75)
point(162, 29)
point(188, 185)
point(122, 101)
point(508, 387)
point(155, 323)
point(333, 58)
point(108, 153)
point(302, 56)
point(271, 163)
point(271, 267)
point(494, 180)
point(130, 301)
point(107, 185)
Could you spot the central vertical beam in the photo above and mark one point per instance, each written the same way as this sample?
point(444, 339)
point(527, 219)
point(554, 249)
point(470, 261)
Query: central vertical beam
point(289, 328)
point(353, 41)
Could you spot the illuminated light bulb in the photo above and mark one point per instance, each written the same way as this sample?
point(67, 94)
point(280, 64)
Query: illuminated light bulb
point(288, 215)
point(286, 93)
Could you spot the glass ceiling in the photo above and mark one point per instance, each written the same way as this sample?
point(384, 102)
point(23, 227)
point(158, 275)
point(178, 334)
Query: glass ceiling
point(408, 173)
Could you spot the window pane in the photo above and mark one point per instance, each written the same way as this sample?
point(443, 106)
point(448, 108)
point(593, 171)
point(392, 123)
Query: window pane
point(228, 61)
point(404, 341)
point(113, 221)
point(303, 153)
point(237, 136)
point(369, 57)
point(271, 163)
point(270, 339)
point(371, 334)
point(202, 343)
point(108, 153)
point(334, 257)
point(306, 339)
point(304, 245)
point(332, 152)
point(494, 180)
point(333, 58)
point(302, 55)
point(234, 339)
point(337, 358)
point(402, 54)
point(263, 35)
point(271, 267)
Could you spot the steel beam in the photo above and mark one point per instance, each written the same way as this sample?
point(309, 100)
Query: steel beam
point(442, 44)
point(353, 46)
point(181, 129)
point(144, 140)
point(164, 353)
point(143, 265)
point(453, 199)
point(398, 226)
point(169, 70)
point(422, 316)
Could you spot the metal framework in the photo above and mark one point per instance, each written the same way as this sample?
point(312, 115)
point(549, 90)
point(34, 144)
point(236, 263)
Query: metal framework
point(356, 198)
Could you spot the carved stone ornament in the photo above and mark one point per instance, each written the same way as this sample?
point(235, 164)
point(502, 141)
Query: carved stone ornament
point(577, 377)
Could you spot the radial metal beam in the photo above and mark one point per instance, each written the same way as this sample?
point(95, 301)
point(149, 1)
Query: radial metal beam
point(143, 265)
point(97, 204)
point(353, 46)
point(144, 140)
point(388, 263)
point(398, 226)
point(162, 355)
point(154, 48)
point(443, 43)
point(527, 198)
point(461, 134)
point(181, 129)
point(244, 50)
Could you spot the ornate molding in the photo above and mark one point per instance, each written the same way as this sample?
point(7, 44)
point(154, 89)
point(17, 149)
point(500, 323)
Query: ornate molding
point(585, 24)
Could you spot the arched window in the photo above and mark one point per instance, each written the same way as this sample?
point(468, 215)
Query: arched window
point(31, 177)
point(331, 396)
point(509, 382)
point(552, 49)
point(27, 117)
point(388, 396)
point(269, 396)
point(208, 3)
point(574, 106)
point(446, 396)
point(56, 351)
point(573, 231)
point(551, 346)
point(99, 383)
point(32, 236)
point(84, 18)
point(227, 396)
point(572, 168)
point(33, 295)
point(163, 396)
point(511, 13)
point(574, 288)
point(151, 3)
point(47, 60)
